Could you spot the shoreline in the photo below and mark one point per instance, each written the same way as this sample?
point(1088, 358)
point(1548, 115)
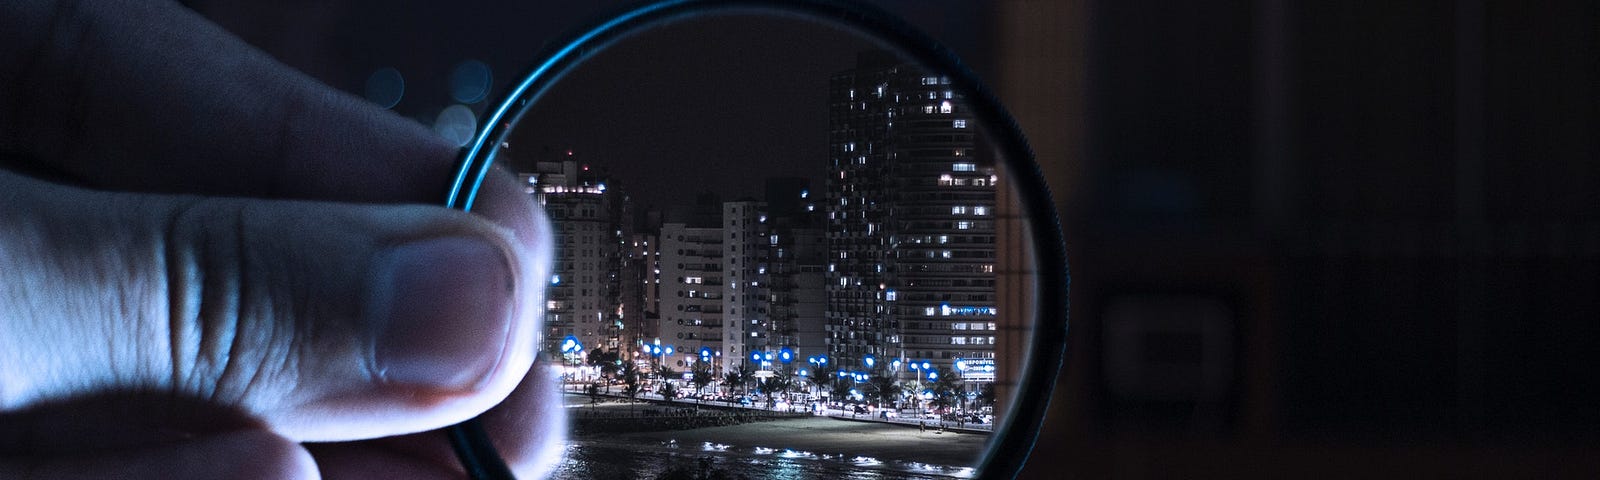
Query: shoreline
point(819, 437)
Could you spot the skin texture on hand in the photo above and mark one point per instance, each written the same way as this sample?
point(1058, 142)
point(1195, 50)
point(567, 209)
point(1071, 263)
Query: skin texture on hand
point(243, 260)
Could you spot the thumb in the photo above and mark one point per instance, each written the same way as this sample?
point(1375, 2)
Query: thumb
point(237, 455)
point(327, 321)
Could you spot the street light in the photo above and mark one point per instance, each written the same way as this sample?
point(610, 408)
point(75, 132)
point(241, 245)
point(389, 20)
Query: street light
point(571, 349)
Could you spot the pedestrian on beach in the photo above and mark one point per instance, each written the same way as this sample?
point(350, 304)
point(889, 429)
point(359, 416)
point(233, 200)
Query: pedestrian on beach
point(922, 425)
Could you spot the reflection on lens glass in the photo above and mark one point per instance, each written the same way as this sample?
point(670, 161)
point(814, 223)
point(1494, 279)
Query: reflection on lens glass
point(781, 251)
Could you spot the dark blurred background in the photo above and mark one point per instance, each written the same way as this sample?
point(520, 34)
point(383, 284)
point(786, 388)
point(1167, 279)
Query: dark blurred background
point(1364, 234)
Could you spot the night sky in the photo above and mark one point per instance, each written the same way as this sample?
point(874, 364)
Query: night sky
point(742, 96)
point(713, 104)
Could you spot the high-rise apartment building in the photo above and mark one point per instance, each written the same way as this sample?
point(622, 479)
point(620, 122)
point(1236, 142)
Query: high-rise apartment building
point(773, 252)
point(583, 299)
point(910, 231)
point(745, 305)
point(692, 285)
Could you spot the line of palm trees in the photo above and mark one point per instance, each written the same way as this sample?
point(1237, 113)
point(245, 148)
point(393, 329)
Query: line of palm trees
point(880, 387)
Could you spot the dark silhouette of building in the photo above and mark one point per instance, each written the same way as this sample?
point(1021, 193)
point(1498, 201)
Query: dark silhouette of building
point(911, 207)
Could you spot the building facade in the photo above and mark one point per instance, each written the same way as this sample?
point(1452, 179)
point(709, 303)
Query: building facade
point(910, 220)
point(692, 286)
point(583, 301)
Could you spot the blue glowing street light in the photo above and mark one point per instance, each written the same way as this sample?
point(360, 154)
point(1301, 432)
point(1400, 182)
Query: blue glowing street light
point(571, 344)
point(786, 355)
point(869, 360)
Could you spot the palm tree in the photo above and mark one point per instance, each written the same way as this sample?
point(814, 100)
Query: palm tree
point(946, 389)
point(631, 379)
point(632, 382)
point(608, 362)
point(822, 376)
point(883, 388)
point(668, 391)
point(701, 376)
point(665, 374)
point(779, 382)
point(740, 377)
point(985, 396)
point(840, 389)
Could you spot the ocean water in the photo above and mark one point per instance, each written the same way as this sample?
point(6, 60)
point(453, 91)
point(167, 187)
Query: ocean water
point(625, 459)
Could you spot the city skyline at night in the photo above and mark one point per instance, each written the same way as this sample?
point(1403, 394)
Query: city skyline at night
point(891, 257)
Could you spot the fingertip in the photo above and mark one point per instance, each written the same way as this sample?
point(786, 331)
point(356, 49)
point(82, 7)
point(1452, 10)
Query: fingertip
point(530, 427)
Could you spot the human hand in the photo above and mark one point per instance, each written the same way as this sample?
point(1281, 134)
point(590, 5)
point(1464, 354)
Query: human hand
point(228, 260)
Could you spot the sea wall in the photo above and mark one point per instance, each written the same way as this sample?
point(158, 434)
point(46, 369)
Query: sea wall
point(656, 417)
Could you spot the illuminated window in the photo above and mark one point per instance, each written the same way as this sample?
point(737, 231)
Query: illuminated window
point(963, 225)
point(927, 109)
point(944, 107)
point(945, 180)
point(959, 124)
point(980, 210)
point(944, 239)
point(945, 254)
point(958, 340)
point(889, 295)
point(958, 326)
point(958, 210)
point(964, 167)
point(928, 311)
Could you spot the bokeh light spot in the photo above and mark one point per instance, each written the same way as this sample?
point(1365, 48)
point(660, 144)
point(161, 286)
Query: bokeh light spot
point(385, 87)
point(469, 81)
point(456, 123)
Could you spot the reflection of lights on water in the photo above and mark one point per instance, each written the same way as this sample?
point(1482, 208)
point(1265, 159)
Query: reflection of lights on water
point(385, 87)
point(713, 447)
point(456, 123)
point(763, 450)
point(787, 453)
point(862, 460)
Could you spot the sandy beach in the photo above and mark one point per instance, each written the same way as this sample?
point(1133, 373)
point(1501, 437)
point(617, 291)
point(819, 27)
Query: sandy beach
point(822, 436)
point(807, 447)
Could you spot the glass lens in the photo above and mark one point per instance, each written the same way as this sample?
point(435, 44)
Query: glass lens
point(781, 250)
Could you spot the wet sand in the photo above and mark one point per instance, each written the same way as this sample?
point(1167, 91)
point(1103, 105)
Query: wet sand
point(823, 436)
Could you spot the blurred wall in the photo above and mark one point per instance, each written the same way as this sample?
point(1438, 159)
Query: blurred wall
point(1326, 239)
